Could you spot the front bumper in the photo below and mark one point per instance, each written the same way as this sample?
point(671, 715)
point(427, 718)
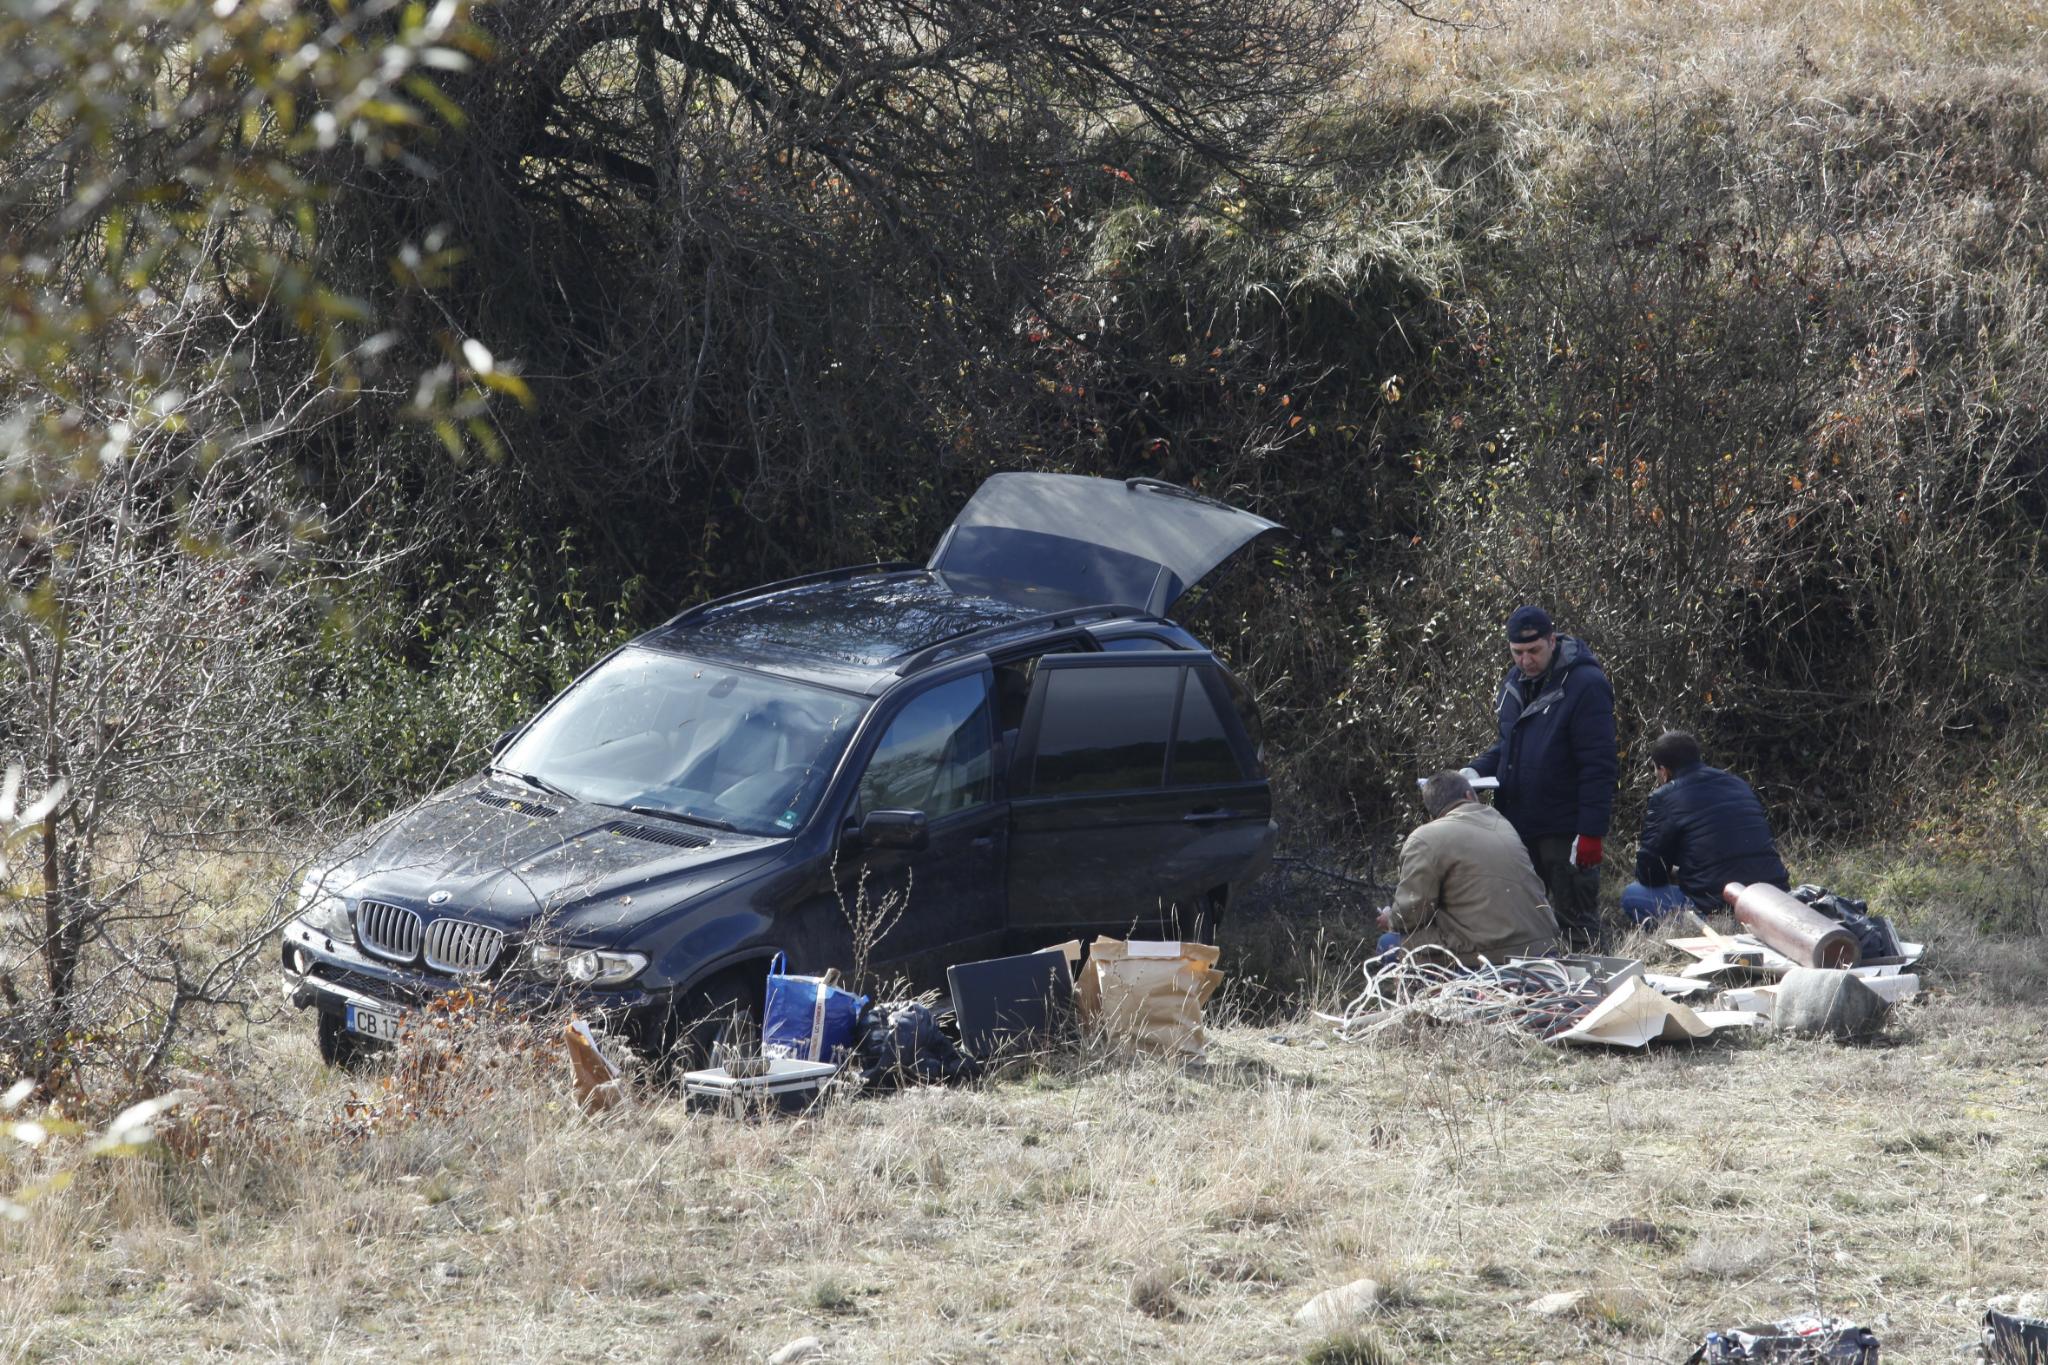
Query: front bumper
point(331, 974)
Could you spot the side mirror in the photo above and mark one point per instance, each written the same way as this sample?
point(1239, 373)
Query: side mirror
point(903, 830)
point(498, 744)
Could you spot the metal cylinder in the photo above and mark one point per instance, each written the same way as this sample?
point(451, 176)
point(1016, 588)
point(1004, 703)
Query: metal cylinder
point(1791, 927)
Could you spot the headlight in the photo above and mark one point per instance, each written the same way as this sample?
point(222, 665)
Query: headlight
point(322, 907)
point(586, 966)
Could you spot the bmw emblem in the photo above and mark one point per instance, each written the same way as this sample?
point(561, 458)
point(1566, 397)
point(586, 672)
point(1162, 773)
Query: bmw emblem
point(438, 898)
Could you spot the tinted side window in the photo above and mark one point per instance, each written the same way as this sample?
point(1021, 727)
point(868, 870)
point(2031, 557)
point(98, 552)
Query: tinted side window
point(1123, 642)
point(935, 754)
point(1104, 729)
point(1201, 748)
point(1247, 715)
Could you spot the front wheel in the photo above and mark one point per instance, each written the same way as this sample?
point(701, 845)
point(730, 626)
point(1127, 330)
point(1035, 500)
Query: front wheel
point(338, 1047)
point(714, 1022)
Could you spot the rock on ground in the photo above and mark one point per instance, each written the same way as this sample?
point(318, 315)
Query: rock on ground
point(1345, 1306)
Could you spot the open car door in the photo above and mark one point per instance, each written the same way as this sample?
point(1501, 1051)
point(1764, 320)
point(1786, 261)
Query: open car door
point(1054, 541)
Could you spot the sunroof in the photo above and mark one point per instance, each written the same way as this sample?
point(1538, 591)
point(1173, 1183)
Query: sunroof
point(865, 623)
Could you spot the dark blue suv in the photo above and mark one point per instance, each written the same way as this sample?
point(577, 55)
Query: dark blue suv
point(1013, 742)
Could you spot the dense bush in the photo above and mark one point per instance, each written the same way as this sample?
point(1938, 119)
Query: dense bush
point(1749, 396)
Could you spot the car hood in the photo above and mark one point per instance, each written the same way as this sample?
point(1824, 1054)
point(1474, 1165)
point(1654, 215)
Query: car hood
point(1053, 541)
point(508, 861)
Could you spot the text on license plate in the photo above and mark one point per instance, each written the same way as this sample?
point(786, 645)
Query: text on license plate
point(383, 1024)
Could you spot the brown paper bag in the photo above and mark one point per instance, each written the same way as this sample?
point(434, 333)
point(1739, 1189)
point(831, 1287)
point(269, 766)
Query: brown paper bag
point(1148, 995)
point(596, 1078)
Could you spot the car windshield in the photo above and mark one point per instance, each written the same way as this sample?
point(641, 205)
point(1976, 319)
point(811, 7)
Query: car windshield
point(674, 735)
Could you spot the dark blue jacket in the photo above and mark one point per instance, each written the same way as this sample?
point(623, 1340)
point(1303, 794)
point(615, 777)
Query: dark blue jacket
point(1706, 828)
point(1555, 754)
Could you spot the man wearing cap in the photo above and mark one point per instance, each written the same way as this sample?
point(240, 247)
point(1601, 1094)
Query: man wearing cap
point(1556, 764)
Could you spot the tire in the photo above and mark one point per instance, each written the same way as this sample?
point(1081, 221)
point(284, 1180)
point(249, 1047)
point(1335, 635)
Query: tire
point(714, 1020)
point(1195, 921)
point(338, 1047)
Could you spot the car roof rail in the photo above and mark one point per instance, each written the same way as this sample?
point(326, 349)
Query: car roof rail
point(954, 645)
point(880, 566)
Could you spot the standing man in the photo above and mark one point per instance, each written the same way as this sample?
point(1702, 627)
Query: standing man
point(1556, 764)
point(1702, 829)
point(1466, 887)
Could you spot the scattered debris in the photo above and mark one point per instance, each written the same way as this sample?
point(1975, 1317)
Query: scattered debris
point(1149, 995)
point(595, 1075)
point(1744, 957)
point(1873, 933)
point(1005, 1005)
point(1558, 1304)
point(807, 1017)
point(901, 1043)
point(1828, 1004)
point(1806, 1341)
point(1346, 1306)
point(1535, 995)
point(786, 1083)
point(1636, 1015)
point(1599, 1001)
point(1790, 927)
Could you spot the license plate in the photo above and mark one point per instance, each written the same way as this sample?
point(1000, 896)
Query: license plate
point(384, 1025)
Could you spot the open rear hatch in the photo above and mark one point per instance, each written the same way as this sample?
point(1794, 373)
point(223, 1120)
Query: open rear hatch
point(1053, 541)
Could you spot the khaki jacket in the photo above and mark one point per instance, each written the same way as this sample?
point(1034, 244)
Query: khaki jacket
point(1467, 886)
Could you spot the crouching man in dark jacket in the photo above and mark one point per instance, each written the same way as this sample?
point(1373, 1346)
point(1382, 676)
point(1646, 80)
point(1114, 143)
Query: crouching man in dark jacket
point(1467, 888)
point(1702, 829)
point(1556, 764)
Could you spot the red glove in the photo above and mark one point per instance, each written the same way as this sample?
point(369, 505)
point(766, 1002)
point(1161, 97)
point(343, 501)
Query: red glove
point(1586, 851)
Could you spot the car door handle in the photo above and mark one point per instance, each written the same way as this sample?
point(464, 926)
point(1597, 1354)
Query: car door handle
point(1207, 817)
point(982, 841)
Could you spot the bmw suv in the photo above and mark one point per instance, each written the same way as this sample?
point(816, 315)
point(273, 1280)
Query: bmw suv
point(1007, 747)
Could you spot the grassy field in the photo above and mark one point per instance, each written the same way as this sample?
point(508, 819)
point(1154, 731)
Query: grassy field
point(1083, 1208)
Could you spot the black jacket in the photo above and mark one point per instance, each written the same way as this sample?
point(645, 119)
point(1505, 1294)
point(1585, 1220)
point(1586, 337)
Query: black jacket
point(1705, 828)
point(1555, 755)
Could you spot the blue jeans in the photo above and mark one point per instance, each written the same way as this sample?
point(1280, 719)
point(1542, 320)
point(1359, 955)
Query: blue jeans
point(1648, 904)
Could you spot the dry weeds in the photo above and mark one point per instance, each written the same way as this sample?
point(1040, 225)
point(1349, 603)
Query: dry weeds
point(1599, 56)
point(1087, 1210)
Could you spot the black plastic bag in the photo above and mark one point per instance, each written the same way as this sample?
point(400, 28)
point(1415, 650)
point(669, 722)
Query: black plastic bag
point(1874, 936)
point(901, 1043)
point(2015, 1341)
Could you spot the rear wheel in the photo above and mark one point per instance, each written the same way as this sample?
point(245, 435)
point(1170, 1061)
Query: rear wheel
point(1195, 920)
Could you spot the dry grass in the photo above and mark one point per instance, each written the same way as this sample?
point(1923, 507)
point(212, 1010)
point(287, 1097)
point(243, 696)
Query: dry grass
point(1596, 55)
point(1086, 1211)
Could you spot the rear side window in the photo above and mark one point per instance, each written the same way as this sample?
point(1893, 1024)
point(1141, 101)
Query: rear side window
point(1201, 750)
point(1247, 715)
point(1104, 729)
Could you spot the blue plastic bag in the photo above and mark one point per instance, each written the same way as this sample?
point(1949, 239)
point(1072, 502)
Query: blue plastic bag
point(807, 1019)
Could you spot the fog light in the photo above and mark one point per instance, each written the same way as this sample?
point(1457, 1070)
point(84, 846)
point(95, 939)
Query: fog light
point(300, 962)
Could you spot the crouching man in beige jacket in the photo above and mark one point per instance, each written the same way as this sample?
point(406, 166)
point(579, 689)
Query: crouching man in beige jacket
point(1467, 885)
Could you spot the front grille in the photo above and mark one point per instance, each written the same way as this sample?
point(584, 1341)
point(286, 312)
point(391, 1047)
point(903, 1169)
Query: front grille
point(537, 809)
point(657, 834)
point(388, 930)
point(455, 945)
